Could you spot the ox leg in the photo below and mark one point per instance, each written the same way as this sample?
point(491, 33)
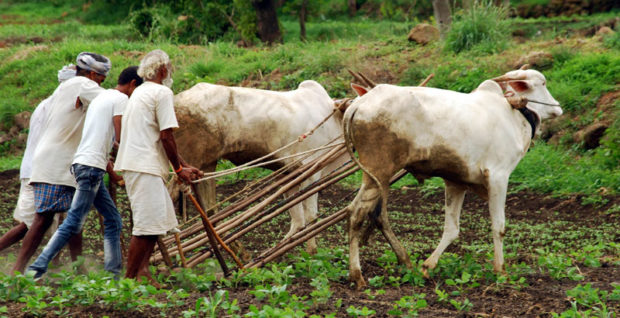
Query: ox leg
point(362, 205)
point(454, 201)
point(310, 207)
point(388, 233)
point(497, 202)
point(297, 214)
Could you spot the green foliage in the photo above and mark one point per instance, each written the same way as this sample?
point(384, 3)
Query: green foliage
point(194, 22)
point(591, 302)
point(483, 28)
point(558, 266)
point(360, 312)
point(408, 306)
point(578, 82)
point(549, 169)
point(612, 41)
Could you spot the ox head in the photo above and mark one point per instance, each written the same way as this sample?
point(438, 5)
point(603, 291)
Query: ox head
point(532, 85)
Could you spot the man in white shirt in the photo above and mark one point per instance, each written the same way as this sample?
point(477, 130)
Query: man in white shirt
point(51, 179)
point(24, 210)
point(89, 166)
point(147, 145)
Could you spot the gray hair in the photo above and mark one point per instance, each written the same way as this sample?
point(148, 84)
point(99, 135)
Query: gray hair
point(151, 62)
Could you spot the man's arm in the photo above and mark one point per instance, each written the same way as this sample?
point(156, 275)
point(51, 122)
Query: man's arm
point(185, 172)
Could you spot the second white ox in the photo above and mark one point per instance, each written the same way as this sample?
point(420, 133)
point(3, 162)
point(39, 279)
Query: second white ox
point(241, 124)
point(473, 141)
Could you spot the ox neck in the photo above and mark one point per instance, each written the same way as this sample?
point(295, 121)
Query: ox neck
point(531, 118)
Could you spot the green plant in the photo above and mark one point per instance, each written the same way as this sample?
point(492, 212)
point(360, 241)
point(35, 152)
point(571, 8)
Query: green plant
point(408, 306)
point(484, 28)
point(321, 294)
point(557, 265)
point(593, 300)
point(360, 312)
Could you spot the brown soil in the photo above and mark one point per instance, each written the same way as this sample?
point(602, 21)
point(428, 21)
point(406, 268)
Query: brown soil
point(539, 297)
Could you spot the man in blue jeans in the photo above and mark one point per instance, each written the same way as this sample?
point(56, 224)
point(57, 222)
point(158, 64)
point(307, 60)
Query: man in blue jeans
point(90, 163)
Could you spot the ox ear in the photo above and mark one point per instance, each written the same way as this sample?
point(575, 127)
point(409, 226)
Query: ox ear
point(359, 90)
point(519, 86)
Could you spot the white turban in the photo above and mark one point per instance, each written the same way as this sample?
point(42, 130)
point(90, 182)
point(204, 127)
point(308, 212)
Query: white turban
point(66, 72)
point(151, 62)
point(85, 60)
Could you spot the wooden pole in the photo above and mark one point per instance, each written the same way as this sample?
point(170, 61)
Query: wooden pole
point(164, 251)
point(183, 262)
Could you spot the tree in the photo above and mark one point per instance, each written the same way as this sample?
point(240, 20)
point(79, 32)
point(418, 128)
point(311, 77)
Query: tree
point(443, 15)
point(303, 15)
point(267, 21)
point(352, 4)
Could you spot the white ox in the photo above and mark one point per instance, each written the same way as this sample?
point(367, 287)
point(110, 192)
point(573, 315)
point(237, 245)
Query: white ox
point(241, 124)
point(473, 141)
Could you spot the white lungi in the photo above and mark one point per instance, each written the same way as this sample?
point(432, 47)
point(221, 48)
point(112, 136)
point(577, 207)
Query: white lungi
point(25, 210)
point(152, 208)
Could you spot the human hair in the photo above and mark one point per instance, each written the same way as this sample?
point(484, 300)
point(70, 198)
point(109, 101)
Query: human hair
point(129, 74)
point(151, 62)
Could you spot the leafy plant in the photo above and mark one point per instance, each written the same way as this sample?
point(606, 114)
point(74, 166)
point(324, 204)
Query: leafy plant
point(408, 306)
point(483, 27)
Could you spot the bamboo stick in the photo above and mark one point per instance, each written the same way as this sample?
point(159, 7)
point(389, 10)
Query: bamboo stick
point(183, 262)
point(294, 200)
point(164, 252)
point(226, 226)
point(279, 252)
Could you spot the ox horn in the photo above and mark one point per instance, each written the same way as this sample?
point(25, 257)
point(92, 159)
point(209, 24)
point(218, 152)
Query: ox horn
point(524, 67)
point(356, 76)
point(368, 81)
point(505, 78)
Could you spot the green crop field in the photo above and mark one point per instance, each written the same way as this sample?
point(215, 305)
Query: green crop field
point(563, 208)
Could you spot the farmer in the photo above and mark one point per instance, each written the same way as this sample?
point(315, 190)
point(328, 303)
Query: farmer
point(89, 166)
point(24, 210)
point(51, 179)
point(147, 145)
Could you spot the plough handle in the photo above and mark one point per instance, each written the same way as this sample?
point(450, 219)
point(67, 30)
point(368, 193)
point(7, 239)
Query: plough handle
point(213, 237)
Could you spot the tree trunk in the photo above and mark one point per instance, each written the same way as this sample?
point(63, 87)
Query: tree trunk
point(443, 15)
point(267, 21)
point(303, 14)
point(352, 7)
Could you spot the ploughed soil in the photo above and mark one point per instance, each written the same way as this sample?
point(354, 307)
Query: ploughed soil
point(540, 296)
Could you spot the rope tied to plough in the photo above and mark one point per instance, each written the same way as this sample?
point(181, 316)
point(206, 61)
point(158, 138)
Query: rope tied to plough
point(257, 162)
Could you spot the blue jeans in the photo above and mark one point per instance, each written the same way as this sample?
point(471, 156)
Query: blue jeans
point(90, 191)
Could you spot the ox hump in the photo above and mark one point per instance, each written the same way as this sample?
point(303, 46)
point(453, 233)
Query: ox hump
point(489, 86)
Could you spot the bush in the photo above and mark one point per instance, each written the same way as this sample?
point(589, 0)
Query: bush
point(483, 28)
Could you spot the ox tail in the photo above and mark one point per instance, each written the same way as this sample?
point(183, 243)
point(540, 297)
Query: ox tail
point(347, 122)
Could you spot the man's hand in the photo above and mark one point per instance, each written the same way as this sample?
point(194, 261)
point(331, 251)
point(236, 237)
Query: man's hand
point(189, 173)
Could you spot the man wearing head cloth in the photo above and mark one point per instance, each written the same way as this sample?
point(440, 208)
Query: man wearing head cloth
point(24, 210)
point(51, 177)
point(146, 150)
point(90, 163)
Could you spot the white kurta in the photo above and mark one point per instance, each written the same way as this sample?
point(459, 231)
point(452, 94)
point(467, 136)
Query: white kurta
point(63, 131)
point(142, 158)
point(35, 130)
point(98, 132)
point(149, 111)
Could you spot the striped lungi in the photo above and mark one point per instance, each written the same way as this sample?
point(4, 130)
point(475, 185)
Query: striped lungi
point(52, 197)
